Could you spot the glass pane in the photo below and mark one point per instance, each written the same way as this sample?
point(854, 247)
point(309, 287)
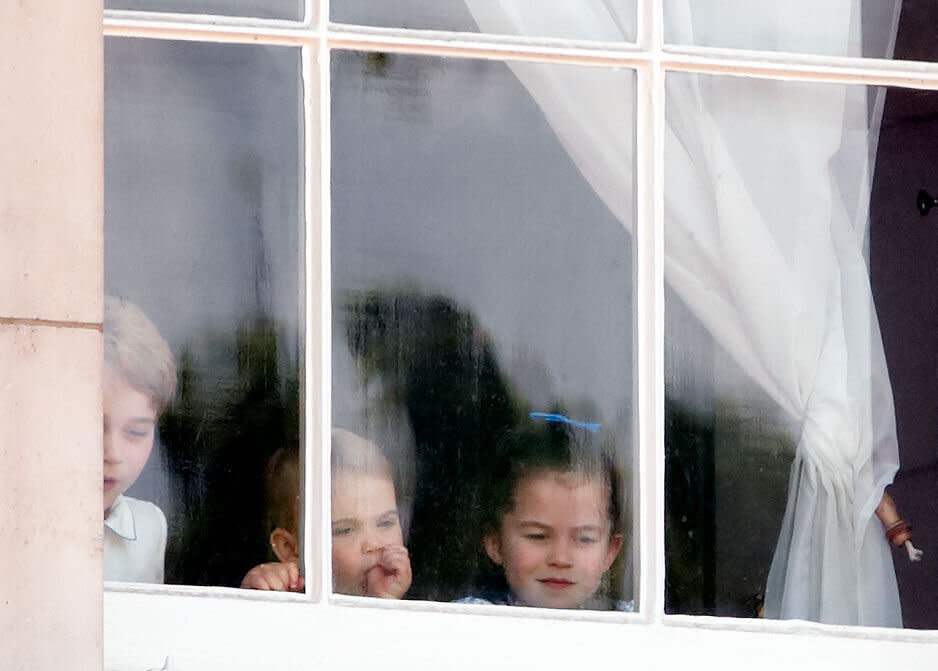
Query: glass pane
point(865, 28)
point(203, 225)
point(261, 9)
point(605, 20)
point(478, 278)
point(782, 433)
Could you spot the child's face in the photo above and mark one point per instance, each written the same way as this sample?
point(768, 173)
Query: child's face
point(555, 545)
point(364, 521)
point(129, 426)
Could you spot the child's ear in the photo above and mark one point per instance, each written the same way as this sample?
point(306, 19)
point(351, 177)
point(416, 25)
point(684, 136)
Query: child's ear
point(493, 548)
point(615, 544)
point(284, 544)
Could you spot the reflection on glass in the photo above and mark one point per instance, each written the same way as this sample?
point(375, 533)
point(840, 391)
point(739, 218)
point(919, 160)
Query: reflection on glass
point(202, 232)
point(477, 279)
point(780, 413)
point(261, 9)
point(604, 20)
point(835, 28)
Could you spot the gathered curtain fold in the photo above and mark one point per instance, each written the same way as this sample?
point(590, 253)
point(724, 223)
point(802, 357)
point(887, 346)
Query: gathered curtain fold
point(764, 241)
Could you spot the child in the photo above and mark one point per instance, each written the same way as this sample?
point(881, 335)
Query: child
point(368, 553)
point(139, 381)
point(554, 522)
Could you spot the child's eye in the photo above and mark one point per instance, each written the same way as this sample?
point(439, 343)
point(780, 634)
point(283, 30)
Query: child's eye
point(535, 536)
point(587, 540)
point(387, 523)
point(136, 433)
point(341, 531)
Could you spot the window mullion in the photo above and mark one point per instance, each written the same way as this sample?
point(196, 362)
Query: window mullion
point(649, 314)
point(318, 406)
point(322, 20)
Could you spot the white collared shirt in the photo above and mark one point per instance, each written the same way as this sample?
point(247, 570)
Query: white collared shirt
point(134, 541)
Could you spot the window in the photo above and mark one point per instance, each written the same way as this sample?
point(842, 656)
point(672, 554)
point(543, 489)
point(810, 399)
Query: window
point(406, 84)
point(217, 269)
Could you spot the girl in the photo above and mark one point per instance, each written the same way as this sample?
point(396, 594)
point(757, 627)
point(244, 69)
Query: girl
point(554, 523)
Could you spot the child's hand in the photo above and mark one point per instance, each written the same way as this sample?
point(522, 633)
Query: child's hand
point(275, 576)
point(390, 577)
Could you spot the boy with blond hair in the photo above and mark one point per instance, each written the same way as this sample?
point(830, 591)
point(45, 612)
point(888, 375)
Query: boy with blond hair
point(139, 381)
point(368, 553)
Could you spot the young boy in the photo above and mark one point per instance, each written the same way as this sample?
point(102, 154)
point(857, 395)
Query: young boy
point(139, 381)
point(368, 553)
point(554, 523)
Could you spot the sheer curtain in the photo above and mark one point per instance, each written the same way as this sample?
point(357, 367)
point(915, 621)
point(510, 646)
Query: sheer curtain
point(764, 241)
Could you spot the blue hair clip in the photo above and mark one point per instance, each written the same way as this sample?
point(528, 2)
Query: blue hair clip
point(554, 417)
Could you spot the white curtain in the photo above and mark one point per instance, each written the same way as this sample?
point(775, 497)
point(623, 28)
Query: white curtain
point(766, 211)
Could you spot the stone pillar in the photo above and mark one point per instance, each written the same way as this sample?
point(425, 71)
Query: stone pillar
point(51, 267)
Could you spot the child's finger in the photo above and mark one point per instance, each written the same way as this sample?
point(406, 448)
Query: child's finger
point(395, 557)
point(293, 577)
point(394, 548)
point(260, 582)
point(276, 576)
point(393, 574)
point(374, 577)
point(397, 563)
point(255, 579)
point(390, 552)
point(286, 577)
point(268, 580)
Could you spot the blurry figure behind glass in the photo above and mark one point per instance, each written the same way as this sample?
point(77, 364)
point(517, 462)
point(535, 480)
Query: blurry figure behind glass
point(434, 362)
point(139, 381)
point(238, 402)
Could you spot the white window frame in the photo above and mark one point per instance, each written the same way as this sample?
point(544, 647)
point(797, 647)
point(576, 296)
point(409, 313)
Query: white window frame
point(208, 628)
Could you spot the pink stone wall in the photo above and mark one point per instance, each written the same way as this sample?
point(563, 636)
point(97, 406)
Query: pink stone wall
point(51, 258)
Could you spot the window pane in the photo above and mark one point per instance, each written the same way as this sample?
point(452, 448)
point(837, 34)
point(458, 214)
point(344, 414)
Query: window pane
point(203, 232)
point(478, 278)
point(837, 28)
point(781, 425)
point(606, 20)
point(262, 9)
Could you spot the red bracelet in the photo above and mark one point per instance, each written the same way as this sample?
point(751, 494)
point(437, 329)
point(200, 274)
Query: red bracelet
point(897, 528)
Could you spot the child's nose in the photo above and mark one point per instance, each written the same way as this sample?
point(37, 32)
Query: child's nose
point(561, 553)
point(111, 453)
point(370, 542)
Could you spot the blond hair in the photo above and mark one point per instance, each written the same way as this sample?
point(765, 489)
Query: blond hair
point(135, 350)
point(350, 452)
